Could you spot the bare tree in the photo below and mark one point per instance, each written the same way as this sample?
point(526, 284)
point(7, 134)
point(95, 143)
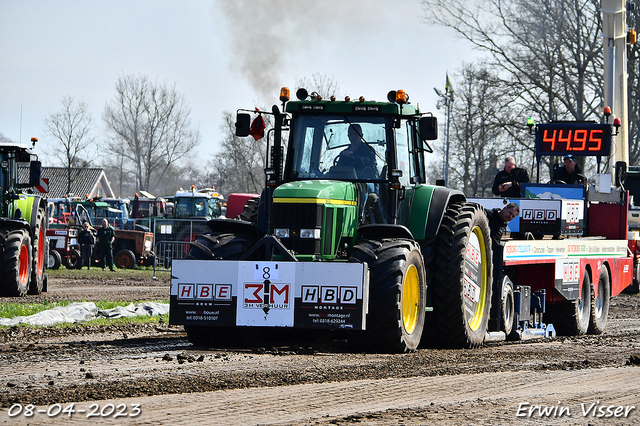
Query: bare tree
point(72, 128)
point(324, 85)
point(547, 52)
point(150, 124)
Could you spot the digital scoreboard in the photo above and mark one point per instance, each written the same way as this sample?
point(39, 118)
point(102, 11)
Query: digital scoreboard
point(575, 138)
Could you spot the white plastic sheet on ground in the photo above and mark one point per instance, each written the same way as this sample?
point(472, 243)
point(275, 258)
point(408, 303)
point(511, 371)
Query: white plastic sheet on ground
point(84, 311)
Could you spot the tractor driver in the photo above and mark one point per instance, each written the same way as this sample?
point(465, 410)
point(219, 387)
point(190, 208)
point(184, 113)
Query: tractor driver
point(570, 173)
point(359, 155)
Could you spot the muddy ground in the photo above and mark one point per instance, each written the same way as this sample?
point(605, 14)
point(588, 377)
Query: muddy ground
point(309, 383)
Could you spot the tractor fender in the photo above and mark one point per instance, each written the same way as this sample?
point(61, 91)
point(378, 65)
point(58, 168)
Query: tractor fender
point(234, 226)
point(429, 205)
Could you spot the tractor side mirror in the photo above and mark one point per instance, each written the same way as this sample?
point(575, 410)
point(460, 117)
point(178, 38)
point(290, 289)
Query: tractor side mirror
point(35, 172)
point(243, 123)
point(428, 128)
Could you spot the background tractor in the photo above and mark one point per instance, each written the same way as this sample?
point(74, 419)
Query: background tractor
point(22, 224)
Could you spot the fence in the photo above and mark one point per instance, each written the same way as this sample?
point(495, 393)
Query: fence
point(172, 240)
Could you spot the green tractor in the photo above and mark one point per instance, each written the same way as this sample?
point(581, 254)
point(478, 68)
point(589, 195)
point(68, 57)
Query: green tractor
point(347, 237)
point(23, 224)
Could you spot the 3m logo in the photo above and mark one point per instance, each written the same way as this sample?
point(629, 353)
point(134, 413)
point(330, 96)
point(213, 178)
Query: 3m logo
point(329, 295)
point(273, 295)
point(539, 214)
point(217, 292)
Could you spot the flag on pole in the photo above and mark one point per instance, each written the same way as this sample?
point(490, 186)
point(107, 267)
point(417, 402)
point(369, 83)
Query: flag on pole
point(448, 87)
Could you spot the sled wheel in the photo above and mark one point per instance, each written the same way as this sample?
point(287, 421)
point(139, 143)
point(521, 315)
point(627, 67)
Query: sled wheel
point(600, 304)
point(397, 289)
point(55, 260)
point(16, 263)
point(507, 312)
point(462, 288)
point(39, 240)
point(125, 259)
point(572, 318)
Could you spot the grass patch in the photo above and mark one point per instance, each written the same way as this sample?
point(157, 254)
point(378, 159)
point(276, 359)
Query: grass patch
point(135, 274)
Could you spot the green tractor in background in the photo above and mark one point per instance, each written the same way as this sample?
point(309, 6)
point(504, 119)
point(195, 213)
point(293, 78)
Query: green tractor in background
point(346, 211)
point(23, 223)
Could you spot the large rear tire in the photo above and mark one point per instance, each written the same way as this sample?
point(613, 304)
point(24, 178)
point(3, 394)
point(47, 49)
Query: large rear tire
point(463, 277)
point(397, 289)
point(39, 241)
point(16, 263)
point(572, 318)
point(250, 212)
point(213, 246)
point(600, 304)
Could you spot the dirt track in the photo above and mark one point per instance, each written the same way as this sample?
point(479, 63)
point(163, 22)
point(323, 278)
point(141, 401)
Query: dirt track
point(315, 383)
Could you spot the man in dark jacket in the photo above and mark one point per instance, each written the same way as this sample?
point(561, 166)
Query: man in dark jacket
point(106, 237)
point(498, 220)
point(508, 181)
point(86, 241)
point(570, 173)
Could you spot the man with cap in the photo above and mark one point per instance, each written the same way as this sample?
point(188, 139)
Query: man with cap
point(570, 173)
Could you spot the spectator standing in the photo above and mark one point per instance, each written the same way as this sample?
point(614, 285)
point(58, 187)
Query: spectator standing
point(498, 220)
point(87, 240)
point(508, 182)
point(106, 237)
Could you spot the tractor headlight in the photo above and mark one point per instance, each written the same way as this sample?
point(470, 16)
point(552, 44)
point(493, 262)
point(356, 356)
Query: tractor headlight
point(310, 233)
point(282, 232)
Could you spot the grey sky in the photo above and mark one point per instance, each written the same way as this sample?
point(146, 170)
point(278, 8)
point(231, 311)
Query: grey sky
point(221, 54)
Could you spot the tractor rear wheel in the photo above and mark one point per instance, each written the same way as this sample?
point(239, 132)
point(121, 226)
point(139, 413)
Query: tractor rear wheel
point(461, 289)
point(250, 212)
point(572, 318)
point(39, 241)
point(397, 293)
point(600, 304)
point(214, 246)
point(16, 263)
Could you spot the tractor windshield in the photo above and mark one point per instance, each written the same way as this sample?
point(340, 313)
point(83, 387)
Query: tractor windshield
point(339, 147)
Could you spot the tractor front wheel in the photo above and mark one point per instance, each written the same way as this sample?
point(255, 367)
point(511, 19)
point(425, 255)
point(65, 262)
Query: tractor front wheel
point(39, 240)
point(55, 260)
point(397, 288)
point(125, 259)
point(16, 263)
point(461, 289)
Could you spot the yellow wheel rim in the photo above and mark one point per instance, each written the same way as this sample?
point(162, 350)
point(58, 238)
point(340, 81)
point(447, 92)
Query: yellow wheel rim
point(410, 299)
point(475, 279)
